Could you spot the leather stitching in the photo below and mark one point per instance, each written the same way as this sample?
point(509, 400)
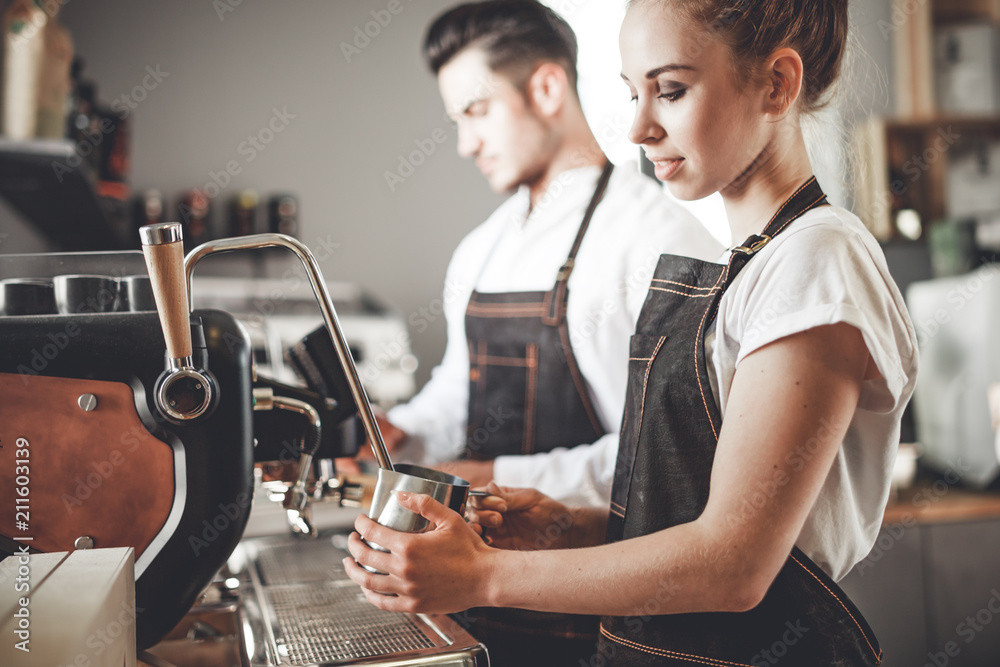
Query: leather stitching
point(693, 296)
point(674, 282)
point(528, 440)
point(878, 656)
point(578, 381)
point(669, 654)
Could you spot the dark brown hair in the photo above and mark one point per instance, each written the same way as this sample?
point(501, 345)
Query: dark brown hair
point(515, 35)
point(754, 29)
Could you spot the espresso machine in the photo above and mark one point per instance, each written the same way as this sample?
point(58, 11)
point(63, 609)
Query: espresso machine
point(148, 426)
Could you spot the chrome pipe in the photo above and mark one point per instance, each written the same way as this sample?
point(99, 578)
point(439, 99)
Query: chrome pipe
point(326, 306)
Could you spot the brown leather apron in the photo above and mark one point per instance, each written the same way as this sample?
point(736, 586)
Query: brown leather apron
point(527, 395)
point(526, 392)
point(665, 457)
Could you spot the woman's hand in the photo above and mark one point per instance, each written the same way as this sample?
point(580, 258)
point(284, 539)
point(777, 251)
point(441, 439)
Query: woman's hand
point(447, 569)
point(526, 519)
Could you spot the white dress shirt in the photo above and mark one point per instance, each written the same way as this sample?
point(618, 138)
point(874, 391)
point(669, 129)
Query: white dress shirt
point(517, 251)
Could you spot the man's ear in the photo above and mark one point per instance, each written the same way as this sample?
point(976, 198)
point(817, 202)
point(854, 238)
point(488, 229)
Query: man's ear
point(548, 89)
point(785, 80)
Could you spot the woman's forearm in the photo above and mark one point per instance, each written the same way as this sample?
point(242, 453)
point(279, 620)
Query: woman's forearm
point(576, 528)
point(683, 569)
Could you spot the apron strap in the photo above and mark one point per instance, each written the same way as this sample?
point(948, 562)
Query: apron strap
point(806, 198)
point(557, 296)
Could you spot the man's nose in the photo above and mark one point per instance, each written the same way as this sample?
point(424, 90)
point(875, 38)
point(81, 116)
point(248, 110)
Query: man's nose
point(469, 142)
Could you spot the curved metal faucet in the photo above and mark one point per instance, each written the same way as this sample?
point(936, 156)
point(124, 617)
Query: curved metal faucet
point(315, 276)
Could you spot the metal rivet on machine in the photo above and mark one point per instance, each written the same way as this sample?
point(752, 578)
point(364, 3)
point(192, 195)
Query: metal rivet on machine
point(84, 542)
point(87, 402)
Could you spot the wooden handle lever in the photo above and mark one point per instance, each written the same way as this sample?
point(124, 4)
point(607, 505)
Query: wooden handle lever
point(163, 248)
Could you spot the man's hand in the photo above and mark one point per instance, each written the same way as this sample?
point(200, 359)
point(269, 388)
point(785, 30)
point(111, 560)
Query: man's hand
point(392, 436)
point(526, 519)
point(477, 473)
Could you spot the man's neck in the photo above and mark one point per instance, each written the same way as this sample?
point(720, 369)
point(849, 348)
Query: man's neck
point(578, 149)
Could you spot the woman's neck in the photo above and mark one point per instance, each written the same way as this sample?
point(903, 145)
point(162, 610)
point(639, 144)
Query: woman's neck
point(780, 169)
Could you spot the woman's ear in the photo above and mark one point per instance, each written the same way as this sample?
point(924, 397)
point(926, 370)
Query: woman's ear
point(548, 88)
point(785, 79)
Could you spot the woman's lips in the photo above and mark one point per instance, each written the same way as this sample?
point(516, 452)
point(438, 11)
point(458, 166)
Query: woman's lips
point(665, 169)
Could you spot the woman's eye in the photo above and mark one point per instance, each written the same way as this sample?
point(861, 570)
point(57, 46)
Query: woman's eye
point(673, 95)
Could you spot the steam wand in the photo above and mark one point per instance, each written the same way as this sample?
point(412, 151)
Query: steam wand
point(329, 317)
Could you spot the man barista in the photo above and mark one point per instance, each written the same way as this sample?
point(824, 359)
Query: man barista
point(542, 298)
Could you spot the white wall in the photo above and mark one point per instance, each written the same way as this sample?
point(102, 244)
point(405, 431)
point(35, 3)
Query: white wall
point(222, 77)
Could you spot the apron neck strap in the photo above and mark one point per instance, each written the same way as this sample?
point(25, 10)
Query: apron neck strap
point(809, 196)
point(557, 296)
point(602, 186)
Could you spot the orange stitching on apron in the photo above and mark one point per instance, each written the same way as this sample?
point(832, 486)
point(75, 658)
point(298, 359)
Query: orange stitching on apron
point(878, 656)
point(505, 304)
point(508, 313)
point(645, 383)
point(558, 295)
point(528, 440)
point(674, 282)
point(642, 410)
point(807, 210)
point(787, 202)
point(581, 387)
point(698, 340)
point(616, 505)
point(505, 311)
point(504, 361)
point(692, 296)
point(481, 356)
point(669, 654)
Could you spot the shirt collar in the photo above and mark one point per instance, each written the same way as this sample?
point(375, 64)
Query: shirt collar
point(563, 194)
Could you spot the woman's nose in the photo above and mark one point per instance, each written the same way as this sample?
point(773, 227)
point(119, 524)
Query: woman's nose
point(644, 128)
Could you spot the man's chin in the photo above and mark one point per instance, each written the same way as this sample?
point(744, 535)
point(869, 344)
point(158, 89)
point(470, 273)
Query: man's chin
point(501, 185)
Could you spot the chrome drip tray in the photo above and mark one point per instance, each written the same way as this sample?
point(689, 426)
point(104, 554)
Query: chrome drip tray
point(303, 610)
point(330, 622)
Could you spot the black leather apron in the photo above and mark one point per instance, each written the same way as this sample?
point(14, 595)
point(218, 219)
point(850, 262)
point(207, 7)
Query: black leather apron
point(526, 392)
point(668, 441)
point(527, 395)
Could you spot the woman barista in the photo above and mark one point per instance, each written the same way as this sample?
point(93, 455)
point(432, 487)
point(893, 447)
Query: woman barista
point(764, 396)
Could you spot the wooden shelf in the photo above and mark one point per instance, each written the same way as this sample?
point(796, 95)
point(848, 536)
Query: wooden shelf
point(904, 159)
point(904, 165)
point(926, 503)
point(956, 11)
point(931, 124)
point(44, 182)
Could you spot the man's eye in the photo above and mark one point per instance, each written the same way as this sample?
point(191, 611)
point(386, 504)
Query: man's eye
point(477, 109)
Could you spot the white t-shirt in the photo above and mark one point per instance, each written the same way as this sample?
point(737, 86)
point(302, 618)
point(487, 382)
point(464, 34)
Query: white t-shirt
point(515, 251)
point(826, 268)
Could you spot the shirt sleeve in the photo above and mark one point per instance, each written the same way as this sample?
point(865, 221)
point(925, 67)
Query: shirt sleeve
point(582, 475)
point(822, 275)
point(435, 418)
